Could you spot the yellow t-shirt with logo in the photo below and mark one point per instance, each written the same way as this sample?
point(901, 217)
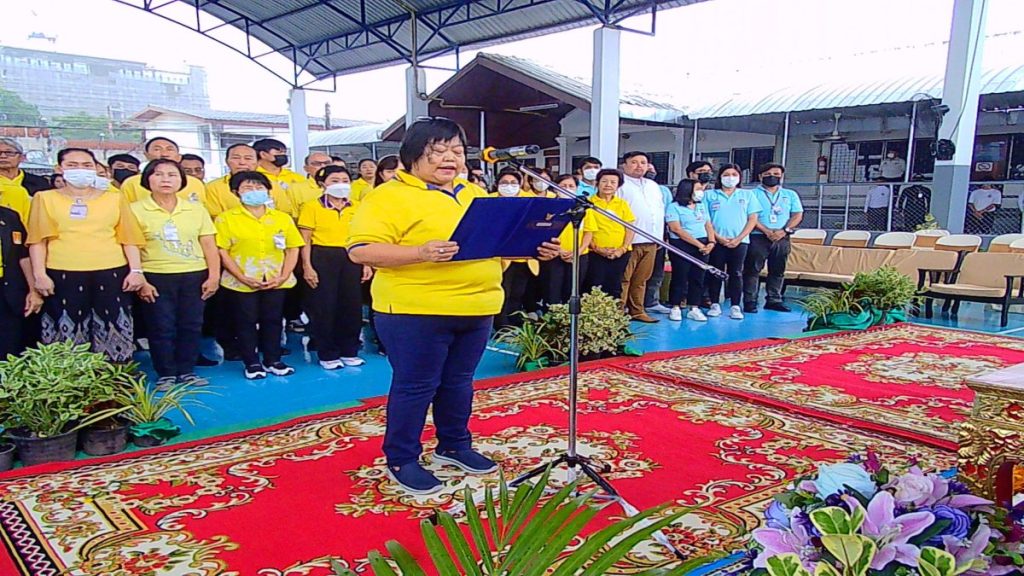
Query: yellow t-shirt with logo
point(172, 238)
point(293, 185)
point(330, 227)
point(360, 188)
point(84, 236)
point(408, 212)
point(14, 196)
point(220, 198)
point(257, 245)
point(306, 191)
point(611, 234)
point(194, 190)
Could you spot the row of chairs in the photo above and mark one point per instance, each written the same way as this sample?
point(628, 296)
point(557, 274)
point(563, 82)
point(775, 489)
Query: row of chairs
point(925, 240)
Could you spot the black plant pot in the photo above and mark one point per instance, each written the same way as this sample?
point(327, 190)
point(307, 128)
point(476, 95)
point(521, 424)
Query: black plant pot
point(6, 457)
point(105, 440)
point(34, 450)
point(146, 441)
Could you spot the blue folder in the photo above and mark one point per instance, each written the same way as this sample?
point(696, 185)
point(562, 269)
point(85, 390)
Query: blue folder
point(509, 227)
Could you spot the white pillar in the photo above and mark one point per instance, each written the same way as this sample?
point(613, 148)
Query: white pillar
point(960, 93)
point(563, 156)
point(679, 161)
point(785, 140)
point(298, 127)
point(604, 101)
point(416, 104)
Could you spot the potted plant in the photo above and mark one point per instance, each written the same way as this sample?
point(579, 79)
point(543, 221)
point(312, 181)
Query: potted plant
point(7, 451)
point(604, 329)
point(51, 392)
point(146, 410)
point(871, 299)
point(930, 223)
point(529, 342)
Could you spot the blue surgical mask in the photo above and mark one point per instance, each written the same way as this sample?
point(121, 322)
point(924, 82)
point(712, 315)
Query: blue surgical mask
point(258, 197)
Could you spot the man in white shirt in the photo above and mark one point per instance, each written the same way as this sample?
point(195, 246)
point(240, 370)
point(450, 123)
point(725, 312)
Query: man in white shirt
point(647, 202)
point(876, 206)
point(893, 168)
point(981, 209)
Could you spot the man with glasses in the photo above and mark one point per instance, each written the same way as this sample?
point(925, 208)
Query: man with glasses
point(15, 184)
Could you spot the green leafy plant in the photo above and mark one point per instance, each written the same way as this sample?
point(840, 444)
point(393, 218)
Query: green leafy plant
point(529, 341)
point(520, 533)
point(871, 298)
point(930, 223)
point(604, 326)
point(143, 404)
point(57, 388)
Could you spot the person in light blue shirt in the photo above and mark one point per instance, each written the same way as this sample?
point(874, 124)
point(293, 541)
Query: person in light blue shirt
point(588, 169)
point(690, 230)
point(781, 212)
point(733, 212)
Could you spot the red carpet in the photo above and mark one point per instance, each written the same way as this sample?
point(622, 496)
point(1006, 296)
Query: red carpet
point(903, 379)
point(284, 500)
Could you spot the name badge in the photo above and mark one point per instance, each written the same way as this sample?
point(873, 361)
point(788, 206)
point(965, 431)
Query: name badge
point(776, 209)
point(773, 219)
point(716, 205)
point(193, 197)
point(16, 238)
point(270, 204)
point(171, 232)
point(279, 242)
point(79, 211)
point(743, 201)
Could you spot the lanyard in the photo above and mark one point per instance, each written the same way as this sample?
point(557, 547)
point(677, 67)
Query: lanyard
point(778, 197)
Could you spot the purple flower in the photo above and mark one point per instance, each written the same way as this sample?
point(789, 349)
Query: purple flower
point(777, 516)
point(920, 489)
point(957, 487)
point(795, 541)
point(892, 533)
point(959, 524)
point(872, 463)
point(970, 551)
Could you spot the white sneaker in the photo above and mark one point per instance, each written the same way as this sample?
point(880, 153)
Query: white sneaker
point(715, 311)
point(659, 308)
point(735, 313)
point(355, 361)
point(696, 315)
point(332, 364)
point(675, 315)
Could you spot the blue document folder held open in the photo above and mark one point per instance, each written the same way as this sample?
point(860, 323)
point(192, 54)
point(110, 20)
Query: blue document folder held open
point(509, 227)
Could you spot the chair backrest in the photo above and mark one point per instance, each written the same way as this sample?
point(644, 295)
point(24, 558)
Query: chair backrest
point(814, 236)
point(894, 240)
point(959, 243)
point(909, 260)
point(988, 269)
point(851, 261)
point(1017, 246)
point(928, 238)
point(1002, 242)
point(852, 238)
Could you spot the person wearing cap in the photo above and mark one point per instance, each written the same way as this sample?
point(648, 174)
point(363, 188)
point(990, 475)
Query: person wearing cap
point(16, 185)
point(163, 148)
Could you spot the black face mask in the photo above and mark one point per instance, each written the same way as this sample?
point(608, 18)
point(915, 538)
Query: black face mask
point(122, 174)
point(280, 160)
point(770, 181)
point(705, 177)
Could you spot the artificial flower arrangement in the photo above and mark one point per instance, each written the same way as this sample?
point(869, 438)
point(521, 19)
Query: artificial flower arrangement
point(858, 519)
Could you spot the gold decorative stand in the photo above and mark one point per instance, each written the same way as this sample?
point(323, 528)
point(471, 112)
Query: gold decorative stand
point(992, 440)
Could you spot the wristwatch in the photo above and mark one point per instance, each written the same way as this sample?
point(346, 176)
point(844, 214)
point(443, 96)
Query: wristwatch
point(789, 231)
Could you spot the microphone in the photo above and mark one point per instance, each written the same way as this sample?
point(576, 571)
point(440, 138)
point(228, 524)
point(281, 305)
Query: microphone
point(492, 155)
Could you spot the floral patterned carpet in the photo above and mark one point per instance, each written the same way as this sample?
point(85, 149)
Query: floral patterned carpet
point(287, 499)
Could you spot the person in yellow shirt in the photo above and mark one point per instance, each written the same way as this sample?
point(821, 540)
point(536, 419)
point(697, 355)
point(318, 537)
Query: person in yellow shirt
point(122, 167)
point(220, 198)
point(519, 280)
point(363, 184)
point(84, 247)
point(611, 241)
point(557, 283)
point(309, 189)
point(386, 169)
point(194, 165)
point(334, 302)
point(182, 269)
point(16, 186)
point(433, 314)
point(160, 148)
point(259, 247)
point(272, 162)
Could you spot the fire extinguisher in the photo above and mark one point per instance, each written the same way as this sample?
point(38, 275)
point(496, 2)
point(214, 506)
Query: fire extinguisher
point(822, 165)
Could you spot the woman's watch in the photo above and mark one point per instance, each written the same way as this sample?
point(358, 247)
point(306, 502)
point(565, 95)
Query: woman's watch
point(139, 272)
point(789, 231)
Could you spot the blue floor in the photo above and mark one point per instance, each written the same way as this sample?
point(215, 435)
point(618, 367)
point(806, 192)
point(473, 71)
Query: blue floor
point(242, 404)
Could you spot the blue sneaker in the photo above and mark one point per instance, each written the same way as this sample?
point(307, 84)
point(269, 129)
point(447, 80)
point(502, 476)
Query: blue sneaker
point(469, 460)
point(414, 479)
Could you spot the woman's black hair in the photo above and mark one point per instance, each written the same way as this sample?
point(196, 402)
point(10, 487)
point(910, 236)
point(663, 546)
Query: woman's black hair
point(561, 177)
point(322, 174)
point(508, 171)
point(65, 151)
point(610, 172)
point(425, 132)
point(154, 164)
point(684, 191)
point(723, 168)
point(248, 176)
point(389, 162)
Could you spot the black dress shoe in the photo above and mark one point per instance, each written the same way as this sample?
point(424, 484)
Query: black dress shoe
point(205, 362)
point(750, 308)
point(778, 307)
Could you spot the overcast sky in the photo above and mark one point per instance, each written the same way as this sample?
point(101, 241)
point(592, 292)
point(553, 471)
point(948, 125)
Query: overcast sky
point(718, 41)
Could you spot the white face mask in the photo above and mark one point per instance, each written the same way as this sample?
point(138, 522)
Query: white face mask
point(698, 195)
point(101, 183)
point(540, 186)
point(508, 189)
point(590, 173)
point(80, 177)
point(339, 190)
point(730, 181)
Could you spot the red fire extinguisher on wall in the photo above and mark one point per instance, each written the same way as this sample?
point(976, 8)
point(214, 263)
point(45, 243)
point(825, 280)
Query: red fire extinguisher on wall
point(822, 165)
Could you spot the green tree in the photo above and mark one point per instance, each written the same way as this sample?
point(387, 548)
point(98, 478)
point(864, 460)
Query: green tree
point(83, 126)
point(14, 111)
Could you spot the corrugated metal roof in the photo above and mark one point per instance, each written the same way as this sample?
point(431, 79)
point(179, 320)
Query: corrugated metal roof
point(246, 117)
point(347, 136)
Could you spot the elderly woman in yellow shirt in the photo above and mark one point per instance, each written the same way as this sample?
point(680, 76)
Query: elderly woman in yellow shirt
point(182, 271)
point(334, 305)
point(611, 241)
point(84, 246)
point(259, 247)
point(557, 282)
point(433, 314)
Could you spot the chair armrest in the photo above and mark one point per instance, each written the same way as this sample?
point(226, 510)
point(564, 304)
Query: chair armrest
point(1010, 278)
point(932, 275)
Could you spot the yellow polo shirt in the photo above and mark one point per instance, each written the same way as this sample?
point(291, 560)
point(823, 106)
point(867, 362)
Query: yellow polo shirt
point(172, 238)
point(293, 185)
point(306, 191)
point(611, 234)
point(360, 188)
point(194, 190)
point(589, 224)
point(220, 198)
point(406, 212)
point(88, 238)
point(330, 226)
point(257, 245)
point(14, 196)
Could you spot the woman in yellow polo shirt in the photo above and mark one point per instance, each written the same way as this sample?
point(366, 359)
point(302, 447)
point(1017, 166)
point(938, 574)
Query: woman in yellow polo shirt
point(84, 246)
point(386, 170)
point(558, 279)
point(335, 304)
point(182, 271)
point(434, 315)
point(259, 247)
point(519, 274)
point(611, 241)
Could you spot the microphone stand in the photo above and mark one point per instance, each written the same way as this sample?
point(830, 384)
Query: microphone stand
point(571, 458)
